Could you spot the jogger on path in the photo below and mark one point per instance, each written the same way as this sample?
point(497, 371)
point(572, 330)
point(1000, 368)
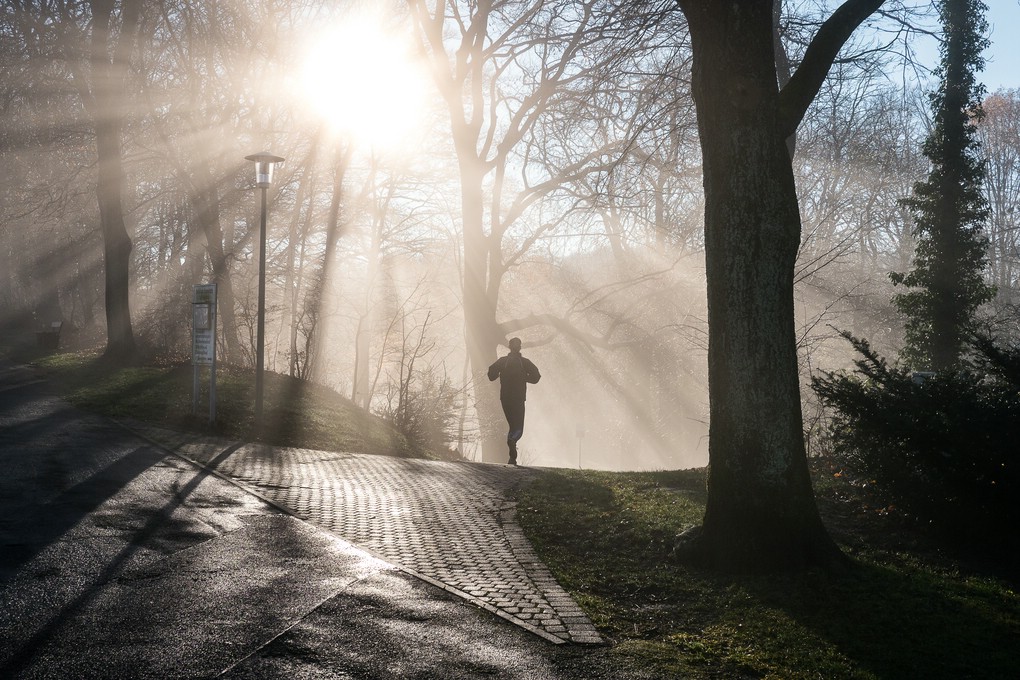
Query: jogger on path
point(514, 373)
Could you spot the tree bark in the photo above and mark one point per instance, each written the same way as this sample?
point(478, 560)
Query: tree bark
point(334, 230)
point(206, 199)
point(761, 514)
point(108, 107)
point(482, 333)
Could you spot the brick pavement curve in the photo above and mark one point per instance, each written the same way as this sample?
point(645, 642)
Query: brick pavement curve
point(448, 523)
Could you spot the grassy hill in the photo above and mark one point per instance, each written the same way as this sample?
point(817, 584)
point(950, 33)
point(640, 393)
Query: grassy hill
point(902, 609)
point(295, 413)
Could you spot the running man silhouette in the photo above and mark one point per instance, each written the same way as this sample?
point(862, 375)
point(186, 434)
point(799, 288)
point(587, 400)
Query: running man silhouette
point(514, 373)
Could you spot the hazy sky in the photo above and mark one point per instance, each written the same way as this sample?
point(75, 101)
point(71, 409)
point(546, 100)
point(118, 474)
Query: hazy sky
point(1003, 57)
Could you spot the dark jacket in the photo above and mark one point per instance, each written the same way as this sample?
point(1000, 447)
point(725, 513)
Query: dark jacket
point(514, 373)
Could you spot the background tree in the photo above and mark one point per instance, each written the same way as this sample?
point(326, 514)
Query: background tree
point(548, 49)
point(949, 208)
point(103, 92)
point(999, 132)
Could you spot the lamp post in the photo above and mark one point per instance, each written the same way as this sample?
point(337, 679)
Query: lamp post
point(265, 162)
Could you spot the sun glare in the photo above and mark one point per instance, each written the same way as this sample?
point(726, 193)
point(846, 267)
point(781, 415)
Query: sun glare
point(363, 80)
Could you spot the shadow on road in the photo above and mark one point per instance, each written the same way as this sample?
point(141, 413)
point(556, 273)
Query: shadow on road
point(46, 448)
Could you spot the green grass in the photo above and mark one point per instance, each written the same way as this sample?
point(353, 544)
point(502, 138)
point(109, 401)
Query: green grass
point(295, 413)
point(903, 611)
point(895, 614)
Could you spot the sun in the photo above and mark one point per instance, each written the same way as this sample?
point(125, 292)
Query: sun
point(361, 77)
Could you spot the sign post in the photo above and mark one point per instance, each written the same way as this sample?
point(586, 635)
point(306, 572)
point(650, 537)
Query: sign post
point(203, 343)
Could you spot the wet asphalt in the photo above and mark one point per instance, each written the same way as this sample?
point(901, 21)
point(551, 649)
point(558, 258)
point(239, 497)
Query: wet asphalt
point(119, 559)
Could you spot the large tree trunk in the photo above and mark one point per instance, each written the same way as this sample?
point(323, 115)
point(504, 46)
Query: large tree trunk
point(317, 364)
point(120, 341)
point(482, 333)
point(206, 198)
point(761, 513)
point(108, 110)
point(463, 88)
point(361, 385)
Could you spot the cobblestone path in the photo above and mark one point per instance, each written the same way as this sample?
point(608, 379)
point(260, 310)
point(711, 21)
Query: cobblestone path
point(448, 523)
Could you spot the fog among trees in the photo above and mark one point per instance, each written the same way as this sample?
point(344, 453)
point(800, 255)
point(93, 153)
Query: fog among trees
point(539, 175)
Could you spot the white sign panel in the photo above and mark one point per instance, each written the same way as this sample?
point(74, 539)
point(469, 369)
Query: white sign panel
point(203, 324)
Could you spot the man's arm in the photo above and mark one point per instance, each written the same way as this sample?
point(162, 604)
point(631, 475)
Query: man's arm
point(496, 367)
point(531, 373)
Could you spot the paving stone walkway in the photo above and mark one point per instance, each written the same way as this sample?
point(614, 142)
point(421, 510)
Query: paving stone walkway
point(448, 523)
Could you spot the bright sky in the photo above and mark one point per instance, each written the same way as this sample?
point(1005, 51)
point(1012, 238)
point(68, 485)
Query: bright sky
point(1002, 67)
point(360, 77)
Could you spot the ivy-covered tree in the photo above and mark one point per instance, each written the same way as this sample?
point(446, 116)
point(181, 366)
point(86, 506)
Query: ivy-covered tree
point(949, 209)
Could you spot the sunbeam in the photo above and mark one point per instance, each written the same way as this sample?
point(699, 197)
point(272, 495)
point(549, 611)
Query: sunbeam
point(360, 77)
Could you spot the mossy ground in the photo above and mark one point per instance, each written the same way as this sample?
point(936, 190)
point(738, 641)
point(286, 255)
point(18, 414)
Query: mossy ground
point(900, 611)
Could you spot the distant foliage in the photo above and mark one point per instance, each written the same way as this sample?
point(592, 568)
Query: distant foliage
point(943, 445)
point(164, 327)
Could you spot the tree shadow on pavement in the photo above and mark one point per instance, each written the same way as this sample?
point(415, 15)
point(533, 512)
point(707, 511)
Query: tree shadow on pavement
point(37, 526)
point(52, 520)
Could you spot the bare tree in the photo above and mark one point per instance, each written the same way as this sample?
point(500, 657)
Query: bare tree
point(999, 132)
point(511, 64)
point(103, 88)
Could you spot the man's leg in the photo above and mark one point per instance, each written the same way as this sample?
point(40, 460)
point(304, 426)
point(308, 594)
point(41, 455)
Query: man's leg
point(508, 411)
point(514, 412)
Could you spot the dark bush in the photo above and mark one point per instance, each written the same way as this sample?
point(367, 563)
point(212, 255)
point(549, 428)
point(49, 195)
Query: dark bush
point(943, 445)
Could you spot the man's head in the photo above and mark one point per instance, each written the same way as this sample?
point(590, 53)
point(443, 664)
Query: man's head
point(515, 344)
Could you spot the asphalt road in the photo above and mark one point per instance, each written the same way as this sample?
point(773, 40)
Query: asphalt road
point(119, 560)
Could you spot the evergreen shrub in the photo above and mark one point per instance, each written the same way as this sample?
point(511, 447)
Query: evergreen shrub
point(942, 445)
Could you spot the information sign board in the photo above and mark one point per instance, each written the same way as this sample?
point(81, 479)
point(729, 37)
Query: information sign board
point(203, 316)
point(203, 343)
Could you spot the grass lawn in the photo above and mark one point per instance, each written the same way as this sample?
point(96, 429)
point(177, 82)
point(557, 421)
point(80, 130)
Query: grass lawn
point(296, 413)
point(904, 610)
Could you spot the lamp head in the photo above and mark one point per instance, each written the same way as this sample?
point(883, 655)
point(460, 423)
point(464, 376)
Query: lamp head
point(264, 164)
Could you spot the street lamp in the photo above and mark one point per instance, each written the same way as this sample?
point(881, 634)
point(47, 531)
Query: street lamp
point(264, 164)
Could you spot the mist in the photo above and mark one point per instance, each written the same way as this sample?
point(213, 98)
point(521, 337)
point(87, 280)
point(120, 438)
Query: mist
point(547, 188)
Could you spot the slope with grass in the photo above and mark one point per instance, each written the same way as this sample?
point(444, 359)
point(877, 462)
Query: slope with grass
point(900, 611)
point(296, 413)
